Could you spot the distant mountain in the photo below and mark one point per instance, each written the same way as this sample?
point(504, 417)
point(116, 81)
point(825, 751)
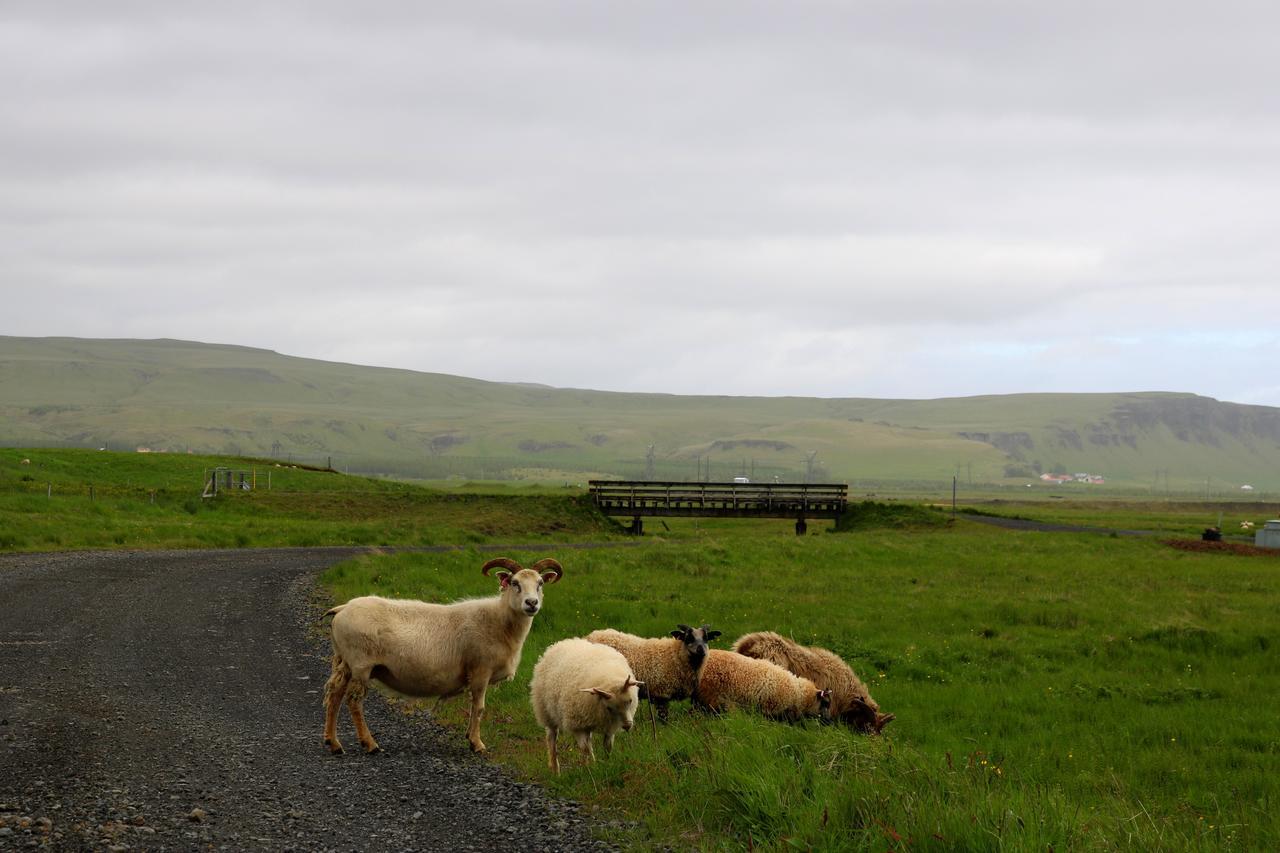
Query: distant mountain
point(178, 395)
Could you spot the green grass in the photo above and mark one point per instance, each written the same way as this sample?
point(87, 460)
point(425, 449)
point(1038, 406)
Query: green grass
point(239, 401)
point(70, 499)
point(1052, 690)
point(1073, 691)
point(1188, 517)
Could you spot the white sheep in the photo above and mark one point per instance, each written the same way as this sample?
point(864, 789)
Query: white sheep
point(730, 679)
point(422, 649)
point(668, 666)
point(583, 687)
point(851, 702)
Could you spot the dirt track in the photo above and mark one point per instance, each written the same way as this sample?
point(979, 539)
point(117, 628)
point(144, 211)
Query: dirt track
point(171, 700)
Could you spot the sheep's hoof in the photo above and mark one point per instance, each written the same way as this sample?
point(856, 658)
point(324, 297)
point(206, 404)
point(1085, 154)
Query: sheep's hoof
point(334, 747)
point(370, 750)
point(478, 746)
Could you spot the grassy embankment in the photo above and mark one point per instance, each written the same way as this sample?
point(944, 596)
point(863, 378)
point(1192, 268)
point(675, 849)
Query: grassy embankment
point(65, 499)
point(1052, 690)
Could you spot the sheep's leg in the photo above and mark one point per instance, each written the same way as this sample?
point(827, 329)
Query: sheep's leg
point(334, 690)
point(584, 744)
point(661, 705)
point(553, 760)
point(478, 687)
point(608, 742)
point(355, 705)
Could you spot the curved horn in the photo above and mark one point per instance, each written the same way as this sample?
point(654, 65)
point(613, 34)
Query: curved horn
point(883, 720)
point(504, 562)
point(548, 564)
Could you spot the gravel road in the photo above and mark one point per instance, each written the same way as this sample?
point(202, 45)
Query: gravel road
point(171, 701)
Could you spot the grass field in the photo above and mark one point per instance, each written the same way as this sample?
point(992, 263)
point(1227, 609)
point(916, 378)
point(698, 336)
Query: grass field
point(1071, 691)
point(63, 499)
point(1052, 690)
point(1187, 517)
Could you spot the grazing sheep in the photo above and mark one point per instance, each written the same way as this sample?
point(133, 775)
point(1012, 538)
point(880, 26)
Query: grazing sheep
point(583, 687)
point(668, 666)
point(733, 679)
point(422, 649)
point(851, 703)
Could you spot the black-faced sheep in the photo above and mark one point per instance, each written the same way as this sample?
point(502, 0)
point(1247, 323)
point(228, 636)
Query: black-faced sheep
point(583, 687)
point(422, 649)
point(851, 702)
point(730, 679)
point(668, 666)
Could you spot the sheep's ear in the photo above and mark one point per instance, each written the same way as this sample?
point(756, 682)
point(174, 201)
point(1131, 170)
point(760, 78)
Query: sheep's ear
point(504, 578)
point(631, 682)
point(603, 694)
point(679, 635)
point(711, 635)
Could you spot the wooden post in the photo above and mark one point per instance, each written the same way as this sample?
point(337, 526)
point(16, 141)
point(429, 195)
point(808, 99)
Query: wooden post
point(953, 496)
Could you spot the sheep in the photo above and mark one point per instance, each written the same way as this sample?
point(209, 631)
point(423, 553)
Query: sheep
point(583, 687)
point(668, 666)
point(422, 649)
point(851, 703)
point(728, 678)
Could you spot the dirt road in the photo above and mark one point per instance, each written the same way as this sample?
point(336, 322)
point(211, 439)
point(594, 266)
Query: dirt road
point(171, 700)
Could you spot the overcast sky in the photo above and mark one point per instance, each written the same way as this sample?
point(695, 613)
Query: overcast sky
point(851, 199)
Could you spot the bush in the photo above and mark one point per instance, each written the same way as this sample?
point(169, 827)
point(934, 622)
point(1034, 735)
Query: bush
point(872, 514)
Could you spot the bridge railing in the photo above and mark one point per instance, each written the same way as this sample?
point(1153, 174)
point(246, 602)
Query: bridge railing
point(779, 500)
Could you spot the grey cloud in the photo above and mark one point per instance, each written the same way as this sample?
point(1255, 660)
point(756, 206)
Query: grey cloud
point(887, 198)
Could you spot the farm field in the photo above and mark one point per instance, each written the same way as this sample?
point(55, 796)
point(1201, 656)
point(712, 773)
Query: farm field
point(1077, 691)
point(1060, 691)
point(70, 499)
point(1187, 517)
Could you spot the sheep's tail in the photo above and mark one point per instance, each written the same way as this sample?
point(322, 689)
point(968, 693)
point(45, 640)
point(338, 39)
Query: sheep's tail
point(332, 611)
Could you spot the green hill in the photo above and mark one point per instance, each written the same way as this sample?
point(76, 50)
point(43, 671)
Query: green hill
point(180, 396)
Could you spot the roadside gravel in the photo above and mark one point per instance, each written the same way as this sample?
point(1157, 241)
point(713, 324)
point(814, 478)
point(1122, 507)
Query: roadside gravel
point(171, 701)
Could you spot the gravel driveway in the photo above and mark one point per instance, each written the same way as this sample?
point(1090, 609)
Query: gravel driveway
point(171, 700)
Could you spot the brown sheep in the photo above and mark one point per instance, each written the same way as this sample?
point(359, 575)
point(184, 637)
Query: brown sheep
point(668, 666)
point(729, 679)
point(851, 703)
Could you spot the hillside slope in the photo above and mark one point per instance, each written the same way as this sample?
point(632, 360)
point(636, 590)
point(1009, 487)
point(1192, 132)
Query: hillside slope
point(177, 395)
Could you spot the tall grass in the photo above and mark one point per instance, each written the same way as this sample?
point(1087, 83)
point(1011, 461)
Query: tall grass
point(1065, 691)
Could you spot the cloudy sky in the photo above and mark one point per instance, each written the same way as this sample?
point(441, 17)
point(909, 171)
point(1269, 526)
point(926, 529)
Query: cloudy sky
point(886, 199)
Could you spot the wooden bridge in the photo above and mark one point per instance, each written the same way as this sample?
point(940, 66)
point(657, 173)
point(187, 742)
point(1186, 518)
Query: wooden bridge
point(800, 501)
